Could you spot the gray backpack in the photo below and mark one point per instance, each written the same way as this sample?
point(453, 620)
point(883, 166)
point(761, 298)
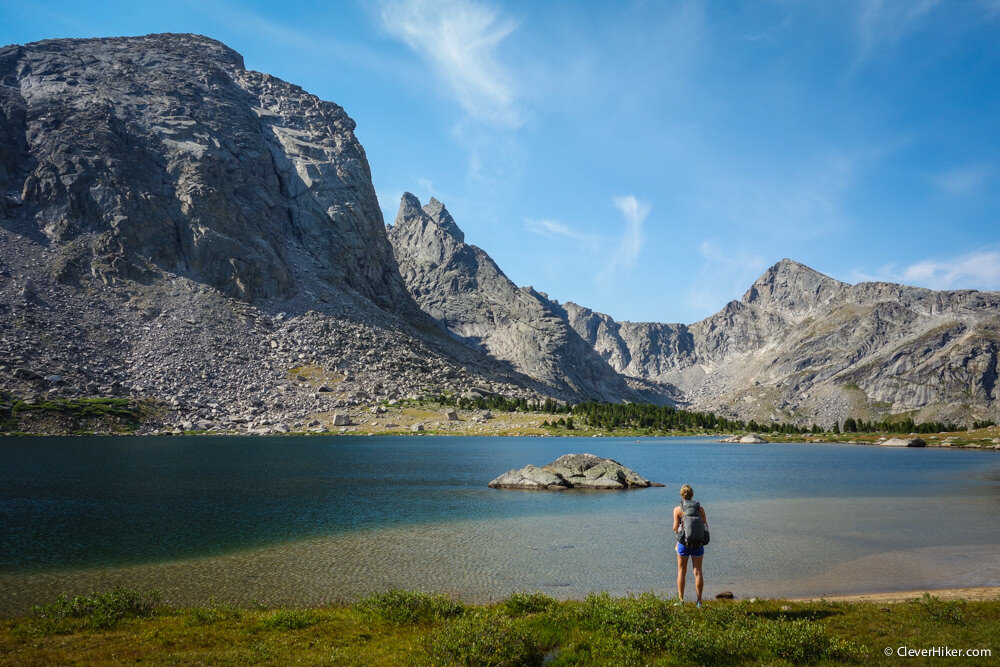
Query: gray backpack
point(693, 533)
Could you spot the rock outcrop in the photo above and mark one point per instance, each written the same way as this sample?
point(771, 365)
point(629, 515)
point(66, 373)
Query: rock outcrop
point(903, 442)
point(573, 471)
point(460, 286)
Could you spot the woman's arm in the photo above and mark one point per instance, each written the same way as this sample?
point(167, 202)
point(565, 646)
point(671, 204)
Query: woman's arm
point(704, 518)
point(677, 518)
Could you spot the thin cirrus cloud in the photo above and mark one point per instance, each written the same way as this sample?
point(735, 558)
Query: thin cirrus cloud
point(560, 231)
point(634, 212)
point(961, 180)
point(461, 40)
point(726, 273)
point(885, 22)
point(976, 270)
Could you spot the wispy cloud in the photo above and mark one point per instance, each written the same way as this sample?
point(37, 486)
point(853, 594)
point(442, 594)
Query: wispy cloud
point(634, 212)
point(961, 180)
point(885, 22)
point(460, 39)
point(560, 231)
point(979, 269)
point(724, 276)
point(805, 201)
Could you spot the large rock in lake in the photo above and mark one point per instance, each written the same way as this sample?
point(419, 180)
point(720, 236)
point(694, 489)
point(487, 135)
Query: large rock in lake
point(573, 471)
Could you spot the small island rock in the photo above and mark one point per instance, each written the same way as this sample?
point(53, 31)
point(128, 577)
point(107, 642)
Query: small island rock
point(752, 439)
point(903, 442)
point(573, 471)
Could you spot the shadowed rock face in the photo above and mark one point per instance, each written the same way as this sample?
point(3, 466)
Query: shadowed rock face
point(460, 286)
point(573, 471)
point(164, 152)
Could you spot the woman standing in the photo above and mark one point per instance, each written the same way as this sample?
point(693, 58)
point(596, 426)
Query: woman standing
point(692, 509)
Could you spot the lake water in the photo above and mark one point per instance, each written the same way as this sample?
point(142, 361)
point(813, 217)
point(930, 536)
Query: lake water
point(296, 520)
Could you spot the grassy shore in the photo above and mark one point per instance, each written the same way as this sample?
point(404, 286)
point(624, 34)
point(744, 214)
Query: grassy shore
point(414, 628)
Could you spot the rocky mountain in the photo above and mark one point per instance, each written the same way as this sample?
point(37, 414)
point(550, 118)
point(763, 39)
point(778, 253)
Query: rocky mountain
point(460, 286)
point(205, 239)
point(801, 346)
point(177, 228)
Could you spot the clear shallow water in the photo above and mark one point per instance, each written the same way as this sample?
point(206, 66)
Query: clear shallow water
point(310, 520)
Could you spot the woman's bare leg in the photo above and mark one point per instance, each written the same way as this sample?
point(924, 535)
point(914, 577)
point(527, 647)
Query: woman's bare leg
point(699, 580)
point(682, 567)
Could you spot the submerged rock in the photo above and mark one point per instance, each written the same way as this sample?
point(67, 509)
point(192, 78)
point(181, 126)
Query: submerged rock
point(903, 442)
point(573, 471)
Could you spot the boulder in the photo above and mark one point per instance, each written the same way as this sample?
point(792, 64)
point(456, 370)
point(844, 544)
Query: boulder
point(752, 439)
point(530, 477)
point(573, 471)
point(451, 415)
point(416, 428)
point(903, 442)
point(341, 419)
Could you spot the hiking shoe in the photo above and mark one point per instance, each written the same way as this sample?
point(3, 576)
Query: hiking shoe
point(699, 604)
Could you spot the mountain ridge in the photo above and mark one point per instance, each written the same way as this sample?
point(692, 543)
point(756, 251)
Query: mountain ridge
point(179, 229)
point(798, 346)
point(460, 286)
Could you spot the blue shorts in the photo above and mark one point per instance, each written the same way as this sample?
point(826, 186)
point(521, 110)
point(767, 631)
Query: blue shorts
point(685, 551)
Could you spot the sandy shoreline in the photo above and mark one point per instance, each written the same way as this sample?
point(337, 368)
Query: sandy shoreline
point(969, 594)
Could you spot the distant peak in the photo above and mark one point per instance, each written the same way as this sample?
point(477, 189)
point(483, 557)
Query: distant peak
point(410, 212)
point(791, 284)
point(409, 200)
point(442, 217)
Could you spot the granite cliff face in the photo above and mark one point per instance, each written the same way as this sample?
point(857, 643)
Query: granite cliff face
point(461, 287)
point(176, 227)
point(164, 153)
point(800, 346)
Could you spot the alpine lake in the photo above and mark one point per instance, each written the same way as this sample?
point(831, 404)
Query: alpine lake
point(326, 519)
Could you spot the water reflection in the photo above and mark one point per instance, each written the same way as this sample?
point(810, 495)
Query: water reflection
point(295, 520)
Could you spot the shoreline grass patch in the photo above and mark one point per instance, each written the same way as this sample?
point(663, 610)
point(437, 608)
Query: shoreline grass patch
point(410, 627)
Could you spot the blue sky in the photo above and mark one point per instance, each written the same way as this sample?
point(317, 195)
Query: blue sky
point(648, 159)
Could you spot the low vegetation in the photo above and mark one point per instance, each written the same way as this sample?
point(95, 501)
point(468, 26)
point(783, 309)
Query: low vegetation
point(648, 419)
point(115, 414)
point(399, 627)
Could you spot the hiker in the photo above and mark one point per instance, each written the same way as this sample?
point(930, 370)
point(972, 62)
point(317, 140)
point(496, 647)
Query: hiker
point(691, 530)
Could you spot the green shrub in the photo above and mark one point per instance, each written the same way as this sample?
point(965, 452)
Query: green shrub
point(402, 607)
point(798, 642)
point(701, 643)
point(214, 613)
point(482, 639)
point(100, 610)
point(291, 619)
point(943, 611)
point(519, 604)
point(628, 615)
